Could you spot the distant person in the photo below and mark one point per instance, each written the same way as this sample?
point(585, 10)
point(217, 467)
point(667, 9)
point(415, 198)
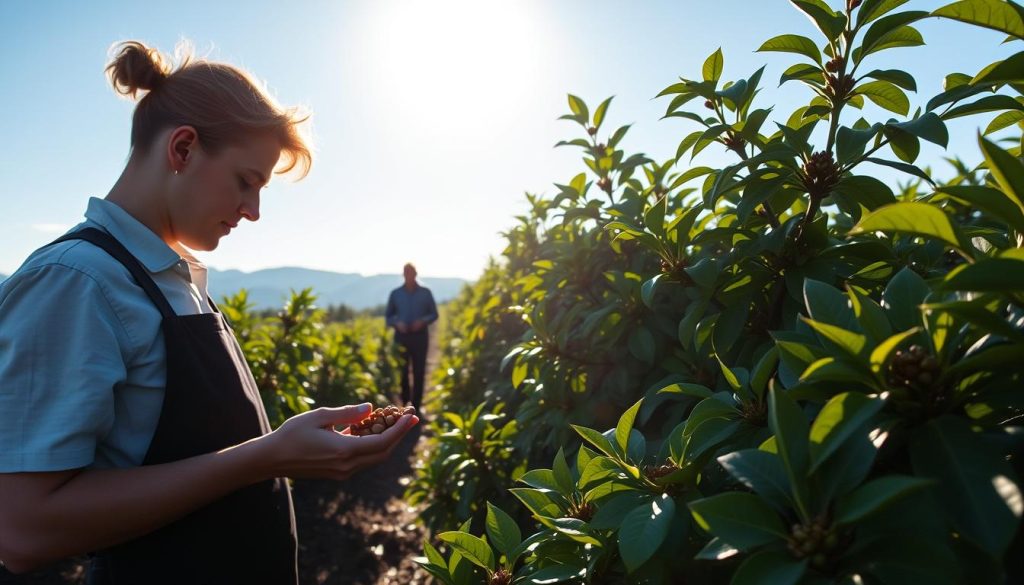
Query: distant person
point(410, 310)
point(130, 423)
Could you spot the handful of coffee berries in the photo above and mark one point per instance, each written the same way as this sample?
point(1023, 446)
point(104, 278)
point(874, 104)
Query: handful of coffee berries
point(380, 420)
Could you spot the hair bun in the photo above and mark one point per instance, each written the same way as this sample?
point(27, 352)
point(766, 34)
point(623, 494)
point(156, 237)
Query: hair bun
point(136, 67)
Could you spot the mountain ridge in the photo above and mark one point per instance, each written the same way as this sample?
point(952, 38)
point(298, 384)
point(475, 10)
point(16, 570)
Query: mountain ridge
point(270, 288)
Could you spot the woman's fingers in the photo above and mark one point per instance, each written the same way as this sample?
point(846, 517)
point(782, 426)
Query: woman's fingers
point(343, 415)
point(370, 444)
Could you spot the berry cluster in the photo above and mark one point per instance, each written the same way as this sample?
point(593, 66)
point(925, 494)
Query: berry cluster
point(380, 420)
point(653, 472)
point(500, 577)
point(913, 368)
point(815, 541)
point(838, 88)
point(582, 511)
point(820, 174)
point(834, 64)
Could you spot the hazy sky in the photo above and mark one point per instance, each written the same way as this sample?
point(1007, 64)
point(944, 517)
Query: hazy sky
point(431, 118)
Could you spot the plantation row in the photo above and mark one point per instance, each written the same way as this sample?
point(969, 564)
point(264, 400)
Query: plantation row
point(780, 371)
point(300, 357)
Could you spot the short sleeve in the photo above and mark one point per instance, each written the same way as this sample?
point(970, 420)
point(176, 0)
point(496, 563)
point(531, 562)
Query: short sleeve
point(60, 359)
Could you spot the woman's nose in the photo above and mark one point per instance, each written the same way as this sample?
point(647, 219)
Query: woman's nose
point(251, 208)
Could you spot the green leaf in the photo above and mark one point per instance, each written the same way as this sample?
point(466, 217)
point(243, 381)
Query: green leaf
point(885, 95)
point(625, 425)
point(562, 475)
point(473, 548)
point(829, 369)
point(648, 288)
point(599, 113)
point(596, 439)
point(770, 566)
point(644, 529)
point(993, 202)
point(1004, 120)
point(850, 143)
point(1007, 170)
point(687, 143)
point(902, 298)
point(906, 168)
point(991, 103)
point(842, 416)
point(828, 22)
point(915, 218)
point(865, 190)
point(976, 485)
point(654, 217)
point(708, 435)
point(541, 479)
point(873, 9)
point(886, 29)
point(1009, 70)
point(712, 69)
point(904, 36)
point(787, 422)
point(849, 341)
point(802, 72)
point(642, 345)
point(744, 521)
point(880, 355)
point(928, 127)
point(763, 371)
point(579, 109)
point(762, 472)
point(903, 144)
point(992, 14)
point(557, 574)
point(540, 502)
point(875, 496)
point(503, 531)
point(688, 389)
point(1004, 275)
point(894, 76)
point(793, 44)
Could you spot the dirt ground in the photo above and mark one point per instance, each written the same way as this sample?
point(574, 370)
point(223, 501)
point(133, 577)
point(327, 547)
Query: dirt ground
point(355, 532)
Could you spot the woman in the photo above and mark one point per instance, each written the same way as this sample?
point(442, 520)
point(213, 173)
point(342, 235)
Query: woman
point(130, 425)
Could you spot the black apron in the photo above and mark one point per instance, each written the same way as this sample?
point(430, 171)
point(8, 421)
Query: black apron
point(211, 402)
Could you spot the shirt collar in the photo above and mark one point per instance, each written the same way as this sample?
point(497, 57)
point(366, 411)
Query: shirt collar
point(141, 241)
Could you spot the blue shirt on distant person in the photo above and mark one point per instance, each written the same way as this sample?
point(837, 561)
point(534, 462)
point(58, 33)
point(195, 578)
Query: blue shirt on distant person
point(405, 306)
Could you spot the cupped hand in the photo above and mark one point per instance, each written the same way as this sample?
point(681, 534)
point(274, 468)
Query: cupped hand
point(308, 446)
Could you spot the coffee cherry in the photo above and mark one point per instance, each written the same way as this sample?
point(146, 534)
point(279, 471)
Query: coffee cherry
point(500, 577)
point(820, 174)
point(380, 420)
point(709, 104)
point(591, 130)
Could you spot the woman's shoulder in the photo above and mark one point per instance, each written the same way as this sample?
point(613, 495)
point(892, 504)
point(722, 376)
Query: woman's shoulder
point(70, 261)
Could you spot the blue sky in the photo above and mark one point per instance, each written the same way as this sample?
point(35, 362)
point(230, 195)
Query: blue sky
point(431, 118)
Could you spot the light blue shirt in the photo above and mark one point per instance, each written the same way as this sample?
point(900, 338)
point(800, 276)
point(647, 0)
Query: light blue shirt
point(82, 358)
point(405, 306)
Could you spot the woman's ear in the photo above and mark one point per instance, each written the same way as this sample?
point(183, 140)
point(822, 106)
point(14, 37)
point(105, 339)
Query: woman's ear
point(181, 146)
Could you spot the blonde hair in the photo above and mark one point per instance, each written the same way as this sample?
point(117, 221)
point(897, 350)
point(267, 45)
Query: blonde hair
point(222, 102)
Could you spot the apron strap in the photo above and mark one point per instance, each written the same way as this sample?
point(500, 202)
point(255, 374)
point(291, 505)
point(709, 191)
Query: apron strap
point(113, 247)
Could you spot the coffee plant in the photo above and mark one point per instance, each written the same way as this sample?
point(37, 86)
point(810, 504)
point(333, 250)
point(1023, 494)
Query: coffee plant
point(783, 370)
point(299, 360)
